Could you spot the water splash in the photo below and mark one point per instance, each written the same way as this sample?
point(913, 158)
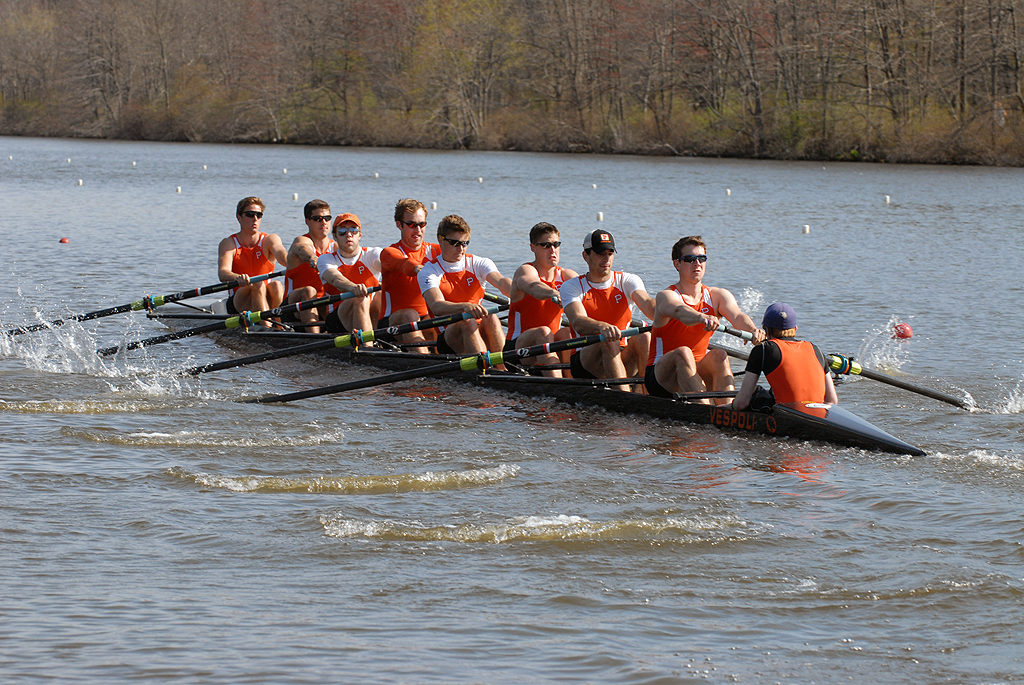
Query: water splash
point(983, 457)
point(656, 529)
point(881, 351)
point(309, 435)
point(353, 485)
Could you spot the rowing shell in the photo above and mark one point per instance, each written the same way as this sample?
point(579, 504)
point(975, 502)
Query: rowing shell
point(808, 421)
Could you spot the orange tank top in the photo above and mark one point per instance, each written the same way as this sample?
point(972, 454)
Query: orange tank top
point(609, 305)
point(303, 275)
point(529, 312)
point(358, 273)
point(251, 261)
point(677, 334)
point(800, 377)
point(402, 290)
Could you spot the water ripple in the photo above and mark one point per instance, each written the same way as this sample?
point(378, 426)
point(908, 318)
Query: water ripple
point(559, 528)
point(354, 485)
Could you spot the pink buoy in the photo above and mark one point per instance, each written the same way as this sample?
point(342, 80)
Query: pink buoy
point(65, 240)
point(902, 331)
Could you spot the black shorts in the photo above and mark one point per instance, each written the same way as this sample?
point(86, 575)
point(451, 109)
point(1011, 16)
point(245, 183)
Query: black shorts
point(334, 326)
point(442, 345)
point(510, 344)
point(230, 304)
point(577, 369)
point(654, 388)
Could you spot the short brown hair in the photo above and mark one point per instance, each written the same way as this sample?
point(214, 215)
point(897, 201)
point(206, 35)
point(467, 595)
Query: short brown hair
point(695, 240)
point(408, 205)
point(307, 211)
point(540, 229)
point(246, 201)
point(451, 224)
point(780, 332)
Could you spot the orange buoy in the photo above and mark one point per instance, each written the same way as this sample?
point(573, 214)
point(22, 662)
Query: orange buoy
point(65, 240)
point(902, 331)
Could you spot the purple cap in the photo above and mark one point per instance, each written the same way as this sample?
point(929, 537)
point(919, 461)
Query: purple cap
point(779, 315)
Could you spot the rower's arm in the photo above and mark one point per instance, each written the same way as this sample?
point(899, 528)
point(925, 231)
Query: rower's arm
point(225, 255)
point(301, 252)
point(584, 325)
point(439, 306)
point(726, 304)
point(743, 397)
point(643, 300)
point(276, 248)
point(332, 276)
point(502, 283)
point(527, 281)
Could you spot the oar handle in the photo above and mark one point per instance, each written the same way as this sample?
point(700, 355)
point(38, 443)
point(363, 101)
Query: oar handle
point(746, 335)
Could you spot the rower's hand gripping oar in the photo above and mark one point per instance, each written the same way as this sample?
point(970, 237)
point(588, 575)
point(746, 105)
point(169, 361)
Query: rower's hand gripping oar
point(470, 363)
point(841, 364)
point(353, 339)
point(146, 302)
point(243, 320)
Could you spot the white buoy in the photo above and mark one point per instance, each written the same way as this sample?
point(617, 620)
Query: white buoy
point(376, 174)
point(204, 167)
point(284, 171)
point(10, 157)
point(79, 181)
point(133, 163)
point(295, 196)
point(728, 192)
point(433, 205)
point(480, 179)
point(887, 199)
point(807, 228)
point(600, 216)
point(178, 190)
point(69, 160)
point(593, 185)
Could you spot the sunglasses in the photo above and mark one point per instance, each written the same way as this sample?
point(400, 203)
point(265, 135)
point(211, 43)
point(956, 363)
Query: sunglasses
point(552, 243)
point(691, 258)
point(326, 218)
point(342, 230)
point(414, 224)
point(253, 215)
point(457, 243)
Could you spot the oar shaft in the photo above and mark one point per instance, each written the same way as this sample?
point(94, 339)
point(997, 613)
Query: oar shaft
point(144, 303)
point(234, 322)
point(842, 364)
point(343, 341)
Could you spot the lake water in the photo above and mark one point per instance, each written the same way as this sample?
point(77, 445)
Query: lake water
point(153, 528)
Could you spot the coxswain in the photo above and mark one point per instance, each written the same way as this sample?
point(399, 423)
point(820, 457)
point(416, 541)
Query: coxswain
point(248, 253)
point(302, 279)
point(535, 312)
point(599, 302)
point(686, 315)
point(350, 268)
point(453, 283)
point(399, 264)
point(796, 370)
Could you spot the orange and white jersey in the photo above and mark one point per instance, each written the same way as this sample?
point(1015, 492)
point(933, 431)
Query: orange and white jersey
point(461, 281)
point(251, 261)
point(677, 334)
point(362, 267)
point(609, 301)
point(303, 275)
point(529, 312)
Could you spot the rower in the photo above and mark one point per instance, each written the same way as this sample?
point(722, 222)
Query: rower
point(796, 370)
point(248, 253)
point(350, 268)
point(453, 283)
point(535, 312)
point(302, 279)
point(598, 302)
point(400, 263)
point(686, 315)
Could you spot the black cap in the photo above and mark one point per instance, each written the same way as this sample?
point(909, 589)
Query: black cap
point(599, 241)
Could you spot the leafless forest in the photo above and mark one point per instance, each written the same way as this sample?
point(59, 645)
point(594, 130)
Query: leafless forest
point(883, 80)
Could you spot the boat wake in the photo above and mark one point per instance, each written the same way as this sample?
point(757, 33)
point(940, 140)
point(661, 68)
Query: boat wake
point(253, 437)
point(559, 528)
point(353, 485)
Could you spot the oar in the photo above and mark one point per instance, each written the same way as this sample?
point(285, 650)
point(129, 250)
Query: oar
point(146, 302)
point(841, 364)
point(470, 363)
point(244, 318)
point(351, 340)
